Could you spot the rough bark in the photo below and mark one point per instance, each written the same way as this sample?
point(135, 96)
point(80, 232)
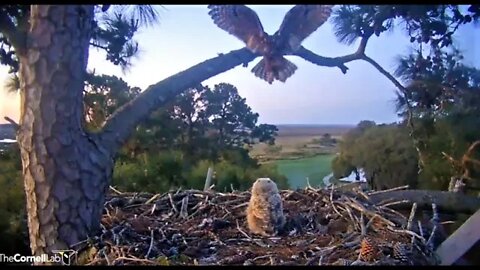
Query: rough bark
point(447, 202)
point(65, 172)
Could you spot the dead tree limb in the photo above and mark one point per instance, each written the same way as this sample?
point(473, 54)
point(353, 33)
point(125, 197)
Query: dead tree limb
point(404, 93)
point(15, 125)
point(119, 125)
point(447, 202)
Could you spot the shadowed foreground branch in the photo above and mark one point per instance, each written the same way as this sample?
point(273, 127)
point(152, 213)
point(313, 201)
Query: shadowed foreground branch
point(446, 201)
point(120, 125)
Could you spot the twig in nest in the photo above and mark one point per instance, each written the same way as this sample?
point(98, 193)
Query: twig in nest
point(241, 231)
point(163, 233)
point(420, 229)
point(183, 208)
point(435, 219)
point(261, 257)
point(308, 183)
point(395, 203)
point(430, 238)
point(388, 190)
point(412, 215)
point(447, 222)
point(369, 223)
point(352, 217)
point(354, 204)
point(134, 259)
point(116, 191)
point(240, 205)
point(331, 202)
point(397, 214)
point(153, 208)
point(363, 229)
point(172, 203)
point(365, 196)
point(105, 256)
point(321, 253)
point(406, 232)
point(352, 243)
point(151, 245)
point(152, 199)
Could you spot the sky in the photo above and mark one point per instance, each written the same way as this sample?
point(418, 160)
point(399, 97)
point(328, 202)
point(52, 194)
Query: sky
point(187, 36)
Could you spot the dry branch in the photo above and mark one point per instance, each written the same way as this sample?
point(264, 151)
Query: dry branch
point(447, 202)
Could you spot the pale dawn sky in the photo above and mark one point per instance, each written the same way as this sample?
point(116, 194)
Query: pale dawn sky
point(186, 36)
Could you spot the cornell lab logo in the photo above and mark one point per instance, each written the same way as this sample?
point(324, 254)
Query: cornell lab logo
point(67, 256)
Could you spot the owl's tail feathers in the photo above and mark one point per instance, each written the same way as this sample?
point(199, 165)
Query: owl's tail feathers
point(269, 70)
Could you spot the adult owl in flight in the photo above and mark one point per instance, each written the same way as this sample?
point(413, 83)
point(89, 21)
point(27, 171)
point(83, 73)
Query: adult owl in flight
point(298, 24)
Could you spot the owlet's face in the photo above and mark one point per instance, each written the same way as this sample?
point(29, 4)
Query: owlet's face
point(264, 186)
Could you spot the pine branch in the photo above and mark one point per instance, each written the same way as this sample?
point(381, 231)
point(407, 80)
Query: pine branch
point(119, 125)
point(404, 93)
point(16, 126)
point(335, 61)
point(15, 36)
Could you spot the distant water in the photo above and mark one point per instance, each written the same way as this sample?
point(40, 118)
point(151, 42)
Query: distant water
point(297, 171)
point(8, 141)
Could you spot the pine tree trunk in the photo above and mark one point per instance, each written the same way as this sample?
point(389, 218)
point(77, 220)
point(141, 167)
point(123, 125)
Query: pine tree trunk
point(65, 172)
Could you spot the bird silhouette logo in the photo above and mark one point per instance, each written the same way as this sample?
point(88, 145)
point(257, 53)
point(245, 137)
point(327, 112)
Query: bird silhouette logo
point(66, 256)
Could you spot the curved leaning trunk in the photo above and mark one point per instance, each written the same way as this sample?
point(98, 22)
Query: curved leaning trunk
point(65, 172)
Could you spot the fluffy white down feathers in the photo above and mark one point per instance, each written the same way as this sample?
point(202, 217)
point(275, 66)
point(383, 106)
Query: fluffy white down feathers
point(265, 209)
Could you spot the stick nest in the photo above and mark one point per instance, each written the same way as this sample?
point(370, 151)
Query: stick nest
point(192, 227)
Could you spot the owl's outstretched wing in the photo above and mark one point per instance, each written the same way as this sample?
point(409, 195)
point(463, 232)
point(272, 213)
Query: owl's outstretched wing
point(301, 21)
point(242, 22)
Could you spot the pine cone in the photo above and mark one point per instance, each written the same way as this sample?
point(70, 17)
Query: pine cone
point(401, 252)
point(368, 249)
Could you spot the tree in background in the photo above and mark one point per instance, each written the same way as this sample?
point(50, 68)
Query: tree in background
point(384, 152)
point(176, 141)
point(12, 203)
point(445, 98)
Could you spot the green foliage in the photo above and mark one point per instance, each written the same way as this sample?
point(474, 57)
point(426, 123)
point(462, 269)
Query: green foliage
point(233, 120)
point(384, 152)
point(170, 170)
point(103, 95)
point(445, 98)
point(12, 203)
point(150, 173)
point(113, 32)
point(325, 140)
point(273, 149)
point(203, 124)
point(341, 167)
point(425, 24)
point(171, 148)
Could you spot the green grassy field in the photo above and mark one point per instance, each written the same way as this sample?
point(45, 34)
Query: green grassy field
point(299, 156)
point(315, 168)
